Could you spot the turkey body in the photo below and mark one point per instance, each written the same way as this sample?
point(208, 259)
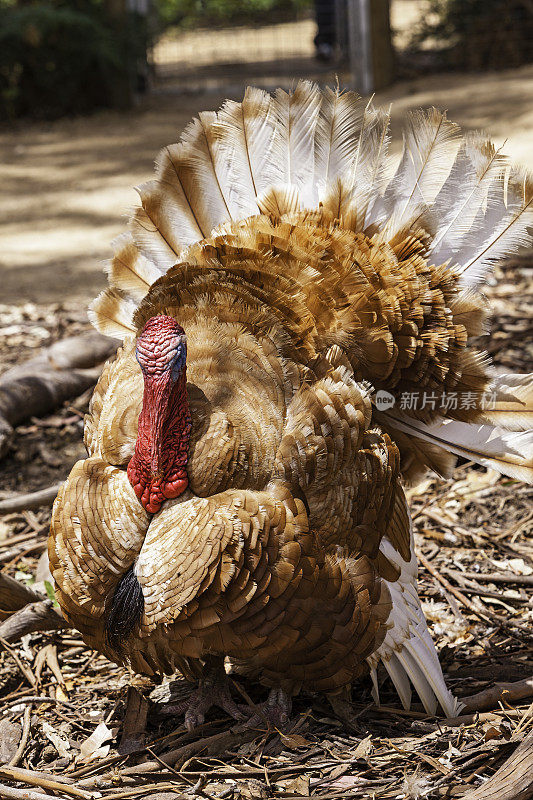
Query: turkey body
point(287, 546)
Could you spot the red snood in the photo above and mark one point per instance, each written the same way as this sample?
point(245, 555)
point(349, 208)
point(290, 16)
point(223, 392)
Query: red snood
point(157, 470)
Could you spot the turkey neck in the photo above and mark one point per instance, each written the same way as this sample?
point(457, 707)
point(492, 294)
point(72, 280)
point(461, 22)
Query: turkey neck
point(157, 470)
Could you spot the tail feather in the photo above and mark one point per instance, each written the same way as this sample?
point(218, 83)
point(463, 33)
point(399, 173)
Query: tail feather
point(510, 403)
point(407, 652)
point(464, 194)
point(501, 229)
point(129, 270)
point(293, 145)
point(430, 146)
point(506, 451)
point(310, 149)
point(400, 679)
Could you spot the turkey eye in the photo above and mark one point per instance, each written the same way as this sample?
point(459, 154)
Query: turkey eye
point(177, 363)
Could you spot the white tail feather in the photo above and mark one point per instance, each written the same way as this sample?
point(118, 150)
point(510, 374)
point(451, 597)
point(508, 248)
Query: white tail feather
point(430, 147)
point(293, 146)
point(505, 227)
point(400, 679)
point(463, 195)
point(508, 452)
point(408, 652)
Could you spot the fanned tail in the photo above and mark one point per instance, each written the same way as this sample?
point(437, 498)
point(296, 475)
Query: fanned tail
point(327, 150)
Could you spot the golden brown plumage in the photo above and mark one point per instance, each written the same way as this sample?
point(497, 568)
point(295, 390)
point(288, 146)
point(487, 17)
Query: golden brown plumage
point(304, 283)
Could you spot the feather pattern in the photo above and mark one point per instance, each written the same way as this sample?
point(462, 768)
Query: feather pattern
point(464, 193)
point(112, 313)
point(509, 403)
point(408, 652)
point(243, 132)
point(338, 138)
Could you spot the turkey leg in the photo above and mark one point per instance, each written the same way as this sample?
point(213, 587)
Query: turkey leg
point(213, 690)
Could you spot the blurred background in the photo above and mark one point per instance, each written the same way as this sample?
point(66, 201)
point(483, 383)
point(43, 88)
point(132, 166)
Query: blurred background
point(91, 89)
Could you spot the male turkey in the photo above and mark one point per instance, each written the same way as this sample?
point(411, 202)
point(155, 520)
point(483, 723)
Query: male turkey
point(242, 496)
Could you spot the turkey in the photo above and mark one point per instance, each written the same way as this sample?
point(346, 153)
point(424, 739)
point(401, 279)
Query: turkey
point(298, 319)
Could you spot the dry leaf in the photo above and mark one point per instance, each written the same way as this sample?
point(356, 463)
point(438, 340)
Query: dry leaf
point(61, 744)
point(492, 733)
point(299, 786)
point(93, 746)
point(293, 741)
point(515, 565)
point(60, 694)
point(364, 748)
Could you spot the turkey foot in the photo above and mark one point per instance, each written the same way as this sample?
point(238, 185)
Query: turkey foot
point(275, 711)
point(213, 690)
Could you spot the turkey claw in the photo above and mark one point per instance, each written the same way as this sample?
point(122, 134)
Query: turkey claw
point(275, 711)
point(213, 690)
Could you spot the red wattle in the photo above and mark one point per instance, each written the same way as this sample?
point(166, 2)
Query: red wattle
point(152, 492)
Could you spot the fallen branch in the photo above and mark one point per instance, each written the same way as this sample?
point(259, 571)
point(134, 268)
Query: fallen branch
point(9, 793)
point(37, 387)
point(500, 692)
point(25, 611)
point(14, 595)
point(25, 502)
point(35, 617)
point(513, 781)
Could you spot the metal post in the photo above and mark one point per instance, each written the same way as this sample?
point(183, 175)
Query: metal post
point(360, 44)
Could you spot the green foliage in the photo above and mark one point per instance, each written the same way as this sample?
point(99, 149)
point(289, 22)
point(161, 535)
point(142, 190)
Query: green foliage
point(191, 13)
point(56, 59)
point(478, 34)
point(50, 591)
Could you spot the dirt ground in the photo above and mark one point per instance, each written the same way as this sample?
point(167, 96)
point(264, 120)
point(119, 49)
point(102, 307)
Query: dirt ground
point(67, 186)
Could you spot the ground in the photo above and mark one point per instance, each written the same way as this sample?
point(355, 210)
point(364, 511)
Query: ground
point(67, 187)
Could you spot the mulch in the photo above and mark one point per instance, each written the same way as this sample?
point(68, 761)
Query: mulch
point(74, 725)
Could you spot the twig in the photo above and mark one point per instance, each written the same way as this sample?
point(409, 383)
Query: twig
point(26, 727)
point(35, 779)
point(39, 699)
point(22, 502)
point(493, 577)
point(489, 698)
point(9, 793)
point(23, 668)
